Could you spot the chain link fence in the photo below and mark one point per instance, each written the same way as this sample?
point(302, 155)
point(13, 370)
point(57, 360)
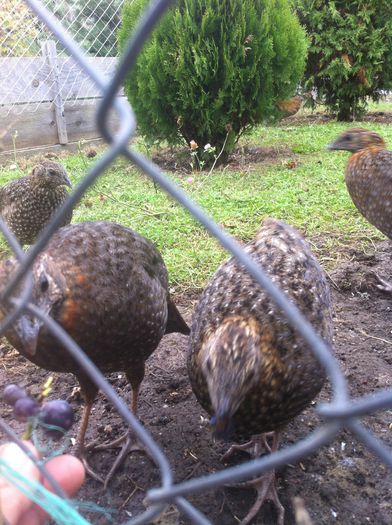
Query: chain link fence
point(92, 23)
point(341, 412)
point(38, 74)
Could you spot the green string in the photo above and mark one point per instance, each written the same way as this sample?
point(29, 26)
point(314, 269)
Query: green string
point(59, 509)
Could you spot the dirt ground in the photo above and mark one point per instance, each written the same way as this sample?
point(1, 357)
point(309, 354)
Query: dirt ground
point(342, 483)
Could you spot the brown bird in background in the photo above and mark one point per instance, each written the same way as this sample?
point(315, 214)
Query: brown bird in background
point(368, 178)
point(107, 286)
point(28, 203)
point(291, 106)
point(248, 367)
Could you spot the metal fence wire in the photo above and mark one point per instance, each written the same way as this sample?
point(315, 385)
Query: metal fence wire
point(341, 412)
point(92, 23)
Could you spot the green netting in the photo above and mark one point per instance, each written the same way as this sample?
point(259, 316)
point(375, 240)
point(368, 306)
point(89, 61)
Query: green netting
point(59, 509)
point(63, 512)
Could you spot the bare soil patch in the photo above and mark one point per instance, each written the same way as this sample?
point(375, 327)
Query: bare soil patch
point(180, 160)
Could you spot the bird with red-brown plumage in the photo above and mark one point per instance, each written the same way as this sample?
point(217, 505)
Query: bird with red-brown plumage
point(248, 367)
point(368, 178)
point(290, 106)
point(107, 286)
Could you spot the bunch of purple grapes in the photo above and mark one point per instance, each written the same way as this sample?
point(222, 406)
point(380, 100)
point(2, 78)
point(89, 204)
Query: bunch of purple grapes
point(56, 413)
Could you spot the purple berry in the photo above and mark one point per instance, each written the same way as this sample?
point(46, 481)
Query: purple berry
point(12, 393)
point(24, 408)
point(57, 413)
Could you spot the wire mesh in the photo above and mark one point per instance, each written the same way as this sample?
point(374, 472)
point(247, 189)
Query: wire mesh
point(341, 412)
point(92, 23)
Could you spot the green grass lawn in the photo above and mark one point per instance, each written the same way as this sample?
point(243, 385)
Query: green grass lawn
point(311, 196)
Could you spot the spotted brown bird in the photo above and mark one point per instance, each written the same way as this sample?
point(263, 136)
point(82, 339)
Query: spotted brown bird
point(28, 203)
point(107, 286)
point(368, 178)
point(248, 367)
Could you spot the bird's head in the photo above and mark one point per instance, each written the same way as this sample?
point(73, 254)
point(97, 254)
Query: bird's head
point(231, 360)
point(48, 294)
point(52, 173)
point(357, 139)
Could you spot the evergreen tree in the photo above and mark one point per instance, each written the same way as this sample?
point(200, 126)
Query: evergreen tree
point(350, 53)
point(213, 69)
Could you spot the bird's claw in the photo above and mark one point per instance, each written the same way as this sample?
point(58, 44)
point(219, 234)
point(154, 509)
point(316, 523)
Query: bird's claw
point(236, 448)
point(254, 447)
point(128, 447)
point(90, 471)
point(127, 444)
point(266, 490)
point(96, 445)
point(265, 484)
point(384, 286)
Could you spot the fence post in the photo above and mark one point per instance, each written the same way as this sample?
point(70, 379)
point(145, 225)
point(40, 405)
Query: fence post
point(49, 53)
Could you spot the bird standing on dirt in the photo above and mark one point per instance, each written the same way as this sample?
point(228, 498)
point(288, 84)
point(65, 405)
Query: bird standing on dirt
point(28, 203)
point(248, 367)
point(369, 179)
point(107, 286)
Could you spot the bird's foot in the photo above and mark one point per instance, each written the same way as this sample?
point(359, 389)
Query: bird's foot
point(116, 443)
point(384, 286)
point(266, 490)
point(90, 471)
point(80, 453)
point(265, 484)
point(254, 447)
point(128, 447)
point(127, 444)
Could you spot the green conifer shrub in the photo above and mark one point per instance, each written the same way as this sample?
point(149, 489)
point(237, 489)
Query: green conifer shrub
point(350, 52)
point(213, 69)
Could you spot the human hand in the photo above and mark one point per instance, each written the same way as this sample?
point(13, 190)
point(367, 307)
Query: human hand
point(18, 509)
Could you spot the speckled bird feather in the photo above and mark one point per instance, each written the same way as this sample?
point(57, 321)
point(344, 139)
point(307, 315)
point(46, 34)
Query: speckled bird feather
point(290, 376)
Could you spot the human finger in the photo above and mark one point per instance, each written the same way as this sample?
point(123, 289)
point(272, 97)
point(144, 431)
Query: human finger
point(13, 503)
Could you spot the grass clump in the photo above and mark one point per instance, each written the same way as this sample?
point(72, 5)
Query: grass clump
point(302, 184)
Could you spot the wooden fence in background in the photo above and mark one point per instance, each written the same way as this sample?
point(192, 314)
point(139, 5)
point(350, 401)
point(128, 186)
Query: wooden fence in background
point(48, 100)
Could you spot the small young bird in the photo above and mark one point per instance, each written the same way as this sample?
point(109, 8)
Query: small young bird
point(107, 286)
point(28, 203)
point(248, 367)
point(368, 178)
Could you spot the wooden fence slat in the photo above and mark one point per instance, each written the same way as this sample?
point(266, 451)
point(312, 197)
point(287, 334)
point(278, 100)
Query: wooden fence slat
point(47, 100)
point(50, 54)
point(37, 127)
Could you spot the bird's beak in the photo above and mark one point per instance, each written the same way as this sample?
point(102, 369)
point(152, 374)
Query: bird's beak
point(28, 332)
point(334, 146)
point(222, 426)
point(68, 182)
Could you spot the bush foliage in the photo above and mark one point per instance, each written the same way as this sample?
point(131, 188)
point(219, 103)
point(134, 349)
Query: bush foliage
point(350, 53)
point(93, 22)
point(213, 69)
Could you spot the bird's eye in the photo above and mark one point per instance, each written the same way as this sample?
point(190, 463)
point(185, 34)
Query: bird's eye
point(349, 137)
point(43, 283)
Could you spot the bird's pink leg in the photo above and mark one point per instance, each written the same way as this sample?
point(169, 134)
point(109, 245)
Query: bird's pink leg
point(126, 442)
point(81, 449)
point(265, 484)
